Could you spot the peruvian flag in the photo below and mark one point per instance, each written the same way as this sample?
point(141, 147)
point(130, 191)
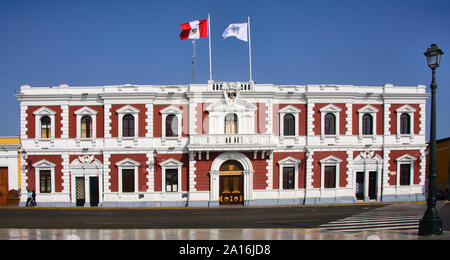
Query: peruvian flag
point(194, 30)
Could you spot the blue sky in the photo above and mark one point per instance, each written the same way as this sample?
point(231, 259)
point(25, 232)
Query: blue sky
point(48, 43)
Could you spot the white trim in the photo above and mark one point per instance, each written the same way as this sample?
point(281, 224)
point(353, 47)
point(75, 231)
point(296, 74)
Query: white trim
point(371, 111)
point(125, 111)
point(171, 164)
point(295, 112)
point(288, 162)
point(329, 161)
point(171, 110)
point(406, 159)
point(325, 110)
point(41, 112)
point(86, 111)
point(128, 164)
point(44, 165)
point(410, 111)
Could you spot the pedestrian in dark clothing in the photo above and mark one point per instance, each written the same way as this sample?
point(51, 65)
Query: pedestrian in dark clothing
point(28, 199)
point(33, 199)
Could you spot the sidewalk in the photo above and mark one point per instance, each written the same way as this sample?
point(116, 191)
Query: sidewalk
point(209, 234)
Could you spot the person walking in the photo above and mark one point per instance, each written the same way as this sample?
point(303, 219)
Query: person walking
point(33, 199)
point(28, 199)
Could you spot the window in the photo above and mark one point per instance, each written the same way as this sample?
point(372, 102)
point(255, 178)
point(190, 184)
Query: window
point(171, 180)
point(86, 123)
point(45, 182)
point(330, 124)
point(288, 173)
point(44, 123)
point(330, 177)
point(128, 126)
point(45, 127)
point(405, 123)
point(171, 126)
point(128, 180)
point(288, 178)
point(367, 124)
point(86, 127)
point(405, 174)
point(289, 125)
point(231, 124)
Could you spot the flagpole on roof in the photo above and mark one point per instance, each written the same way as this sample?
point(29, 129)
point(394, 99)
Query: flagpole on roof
point(209, 36)
point(249, 50)
point(193, 61)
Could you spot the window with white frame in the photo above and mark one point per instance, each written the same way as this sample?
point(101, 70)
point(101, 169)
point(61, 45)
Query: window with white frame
point(289, 121)
point(128, 175)
point(329, 177)
point(171, 122)
point(329, 120)
point(288, 173)
point(44, 123)
point(171, 179)
point(367, 121)
point(44, 176)
point(405, 170)
point(405, 120)
point(128, 121)
point(86, 123)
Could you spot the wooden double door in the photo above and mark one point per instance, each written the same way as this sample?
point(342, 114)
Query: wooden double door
point(3, 186)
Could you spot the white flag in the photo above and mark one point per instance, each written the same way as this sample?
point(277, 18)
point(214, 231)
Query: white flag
point(238, 30)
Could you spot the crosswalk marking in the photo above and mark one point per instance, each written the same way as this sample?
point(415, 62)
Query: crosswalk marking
point(398, 217)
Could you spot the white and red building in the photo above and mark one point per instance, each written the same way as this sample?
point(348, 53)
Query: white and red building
point(222, 143)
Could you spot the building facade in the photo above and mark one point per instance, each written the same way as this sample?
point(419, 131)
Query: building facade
point(9, 171)
point(222, 143)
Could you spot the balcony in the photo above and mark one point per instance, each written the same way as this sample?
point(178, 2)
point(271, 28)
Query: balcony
point(229, 142)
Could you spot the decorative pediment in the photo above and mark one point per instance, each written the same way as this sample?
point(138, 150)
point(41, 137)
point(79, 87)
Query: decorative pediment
point(85, 111)
point(405, 109)
point(330, 160)
point(171, 163)
point(44, 111)
point(239, 105)
point(127, 110)
point(367, 109)
point(330, 108)
point(289, 161)
point(370, 155)
point(44, 164)
point(406, 158)
point(86, 161)
point(171, 110)
point(128, 163)
point(289, 109)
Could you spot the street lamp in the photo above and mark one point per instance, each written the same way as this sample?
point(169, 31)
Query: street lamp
point(431, 224)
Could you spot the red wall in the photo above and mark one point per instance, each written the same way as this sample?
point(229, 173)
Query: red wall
point(31, 171)
point(393, 115)
point(379, 117)
point(301, 168)
point(142, 119)
point(317, 167)
point(31, 119)
point(184, 158)
point(394, 154)
point(157, 119)
point(301, 118)
point(342, 118)
point(100, 121)
point(142, 171)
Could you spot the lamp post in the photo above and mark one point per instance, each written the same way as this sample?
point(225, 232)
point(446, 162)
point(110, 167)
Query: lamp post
point(431, 224)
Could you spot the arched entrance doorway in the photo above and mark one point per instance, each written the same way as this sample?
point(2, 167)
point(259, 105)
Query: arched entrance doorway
point(231, 183)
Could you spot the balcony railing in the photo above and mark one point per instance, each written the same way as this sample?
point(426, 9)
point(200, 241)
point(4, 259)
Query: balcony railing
point(244, 141)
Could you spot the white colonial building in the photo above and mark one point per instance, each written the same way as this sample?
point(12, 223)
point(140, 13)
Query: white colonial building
point(222, 143)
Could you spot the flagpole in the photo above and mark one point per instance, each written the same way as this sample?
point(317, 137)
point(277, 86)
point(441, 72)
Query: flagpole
point(193, 61)
point(209, 36)
point(249, 49)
